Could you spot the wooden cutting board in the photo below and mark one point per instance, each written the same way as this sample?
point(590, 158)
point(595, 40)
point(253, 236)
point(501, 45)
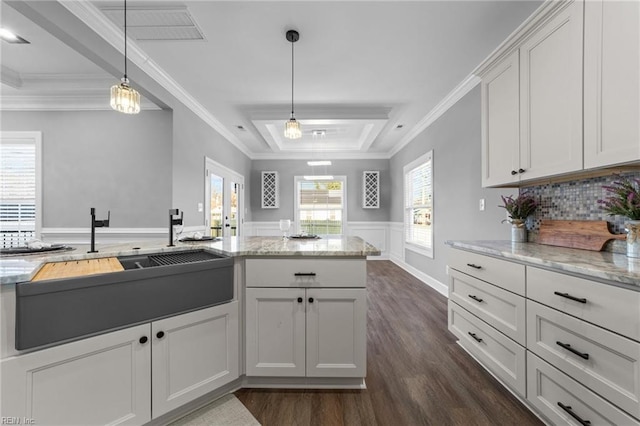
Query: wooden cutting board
point(77, 268)
point(581, 234)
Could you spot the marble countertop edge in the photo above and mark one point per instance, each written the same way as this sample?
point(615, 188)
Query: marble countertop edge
point(603, 266)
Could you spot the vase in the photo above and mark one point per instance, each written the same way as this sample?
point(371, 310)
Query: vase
point(633, 238)
point(518, 231)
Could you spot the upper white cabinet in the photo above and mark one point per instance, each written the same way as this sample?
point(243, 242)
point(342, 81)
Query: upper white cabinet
point(501, 122)
point(551, 96)
point(532, 103)
point(540, 117)
point(611, 83)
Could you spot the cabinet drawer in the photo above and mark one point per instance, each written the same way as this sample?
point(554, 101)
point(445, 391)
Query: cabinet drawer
point(548, 387)
point(500, 308)
point(611, 307)
point(502, 273)
point(504, 357)
point(608, 364)
point(314, 273)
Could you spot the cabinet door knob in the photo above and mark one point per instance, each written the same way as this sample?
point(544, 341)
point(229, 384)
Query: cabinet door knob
point(143, 340)
point(521, 170)
point(160, 334)
point(513, 172)
point(311, 300)
point(299, 299)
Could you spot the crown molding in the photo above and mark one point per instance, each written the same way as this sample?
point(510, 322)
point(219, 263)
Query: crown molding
point(10, 77)
point(447, 102)
point(53, 102)
point(105, 28)
point(321, 155)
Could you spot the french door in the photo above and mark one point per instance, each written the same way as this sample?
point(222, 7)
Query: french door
point(224, 200)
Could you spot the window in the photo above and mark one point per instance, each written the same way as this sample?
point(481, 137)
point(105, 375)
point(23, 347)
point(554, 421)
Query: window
point(19, 187)
point(321, 205)
point(418, 205)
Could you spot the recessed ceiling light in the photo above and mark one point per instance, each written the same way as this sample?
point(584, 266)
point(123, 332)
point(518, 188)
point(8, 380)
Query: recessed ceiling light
point(319, 163)
point(11, 37)
point(399, 126)
point(318, 132)
point(241, 127)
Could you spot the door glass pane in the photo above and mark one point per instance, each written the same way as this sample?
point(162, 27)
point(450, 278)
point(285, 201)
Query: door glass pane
point(217, 205)
point(233, 213)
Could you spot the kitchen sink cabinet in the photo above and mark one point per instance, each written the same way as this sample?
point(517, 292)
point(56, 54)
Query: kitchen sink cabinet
point(298, 332)
point(104, 379)
point(193, 354)
point(611, 83)
point(128, 376)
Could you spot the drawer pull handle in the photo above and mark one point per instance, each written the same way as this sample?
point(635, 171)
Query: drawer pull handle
point(305, 274)
point(568, 296)
point(568, 409)
point(477, 339)
point(475, 298)
point(570, 349)
point(474, 266)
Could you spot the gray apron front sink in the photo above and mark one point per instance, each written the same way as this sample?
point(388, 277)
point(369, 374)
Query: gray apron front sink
point(56, 311)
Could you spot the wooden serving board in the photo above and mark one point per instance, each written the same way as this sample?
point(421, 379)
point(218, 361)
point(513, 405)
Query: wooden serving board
point(77, 268)
point(581, 234)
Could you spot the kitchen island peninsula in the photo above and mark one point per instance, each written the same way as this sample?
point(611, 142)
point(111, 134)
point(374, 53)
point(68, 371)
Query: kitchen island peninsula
point(296, 318)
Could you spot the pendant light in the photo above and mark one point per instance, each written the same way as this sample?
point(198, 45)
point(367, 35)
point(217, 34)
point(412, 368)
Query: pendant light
point(292, 127)
point(124, 98)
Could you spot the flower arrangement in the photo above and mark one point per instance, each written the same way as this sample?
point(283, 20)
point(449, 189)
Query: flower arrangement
point(519, 208)
point(624, 198)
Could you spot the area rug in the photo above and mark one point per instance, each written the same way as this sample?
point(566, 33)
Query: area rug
point(226, 411)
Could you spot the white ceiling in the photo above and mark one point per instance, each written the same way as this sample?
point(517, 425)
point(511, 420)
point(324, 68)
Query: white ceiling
point(362, 67)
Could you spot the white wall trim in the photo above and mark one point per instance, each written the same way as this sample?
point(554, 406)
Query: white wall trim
point(103, 235)
point(441, 288)
point(101, 25)
point(59, 102)
point(443, 106)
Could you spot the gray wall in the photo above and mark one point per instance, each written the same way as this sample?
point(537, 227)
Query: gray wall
point(352, 169)
point(455, 141)
point(102, 159)
point(193, 140)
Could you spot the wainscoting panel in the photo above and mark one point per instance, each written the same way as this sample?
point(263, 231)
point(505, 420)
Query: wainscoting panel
point(396, 240)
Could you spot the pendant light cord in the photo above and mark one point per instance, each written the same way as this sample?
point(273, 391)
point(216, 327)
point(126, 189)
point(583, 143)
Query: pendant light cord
point(292, 76)
point(125, 39)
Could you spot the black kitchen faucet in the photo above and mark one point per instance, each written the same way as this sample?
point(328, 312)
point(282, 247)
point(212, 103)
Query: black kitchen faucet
point(97, 224)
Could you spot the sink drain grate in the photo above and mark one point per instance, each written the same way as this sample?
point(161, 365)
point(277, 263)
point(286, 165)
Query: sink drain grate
point(182, 257)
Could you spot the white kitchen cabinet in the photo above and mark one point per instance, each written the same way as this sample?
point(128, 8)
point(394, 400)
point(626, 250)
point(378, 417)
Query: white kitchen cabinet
point(297, 332)
point(501, 122)
point(611, 82)
point(100, 380)
point(551, 96)
point(193, 354)
point(128, 376)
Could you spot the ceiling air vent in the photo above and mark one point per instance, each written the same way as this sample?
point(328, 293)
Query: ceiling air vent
point(148, 23)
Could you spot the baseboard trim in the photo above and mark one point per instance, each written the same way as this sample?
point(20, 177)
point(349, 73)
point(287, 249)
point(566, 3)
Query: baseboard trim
point(425, 278)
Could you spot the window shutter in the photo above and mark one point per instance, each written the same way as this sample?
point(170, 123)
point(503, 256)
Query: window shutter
point(17, 193)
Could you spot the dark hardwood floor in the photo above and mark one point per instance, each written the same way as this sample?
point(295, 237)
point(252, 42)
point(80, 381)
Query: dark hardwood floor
point(416, 373)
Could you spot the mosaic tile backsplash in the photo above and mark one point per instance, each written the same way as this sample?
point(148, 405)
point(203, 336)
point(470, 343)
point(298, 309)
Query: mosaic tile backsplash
point(576, 200)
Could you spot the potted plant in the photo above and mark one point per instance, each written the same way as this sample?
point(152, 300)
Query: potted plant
point(519, 209)
point(624, 200)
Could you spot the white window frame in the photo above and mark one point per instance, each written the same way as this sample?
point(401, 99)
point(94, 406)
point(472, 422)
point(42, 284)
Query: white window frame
point(297, 179)
point(425, 250)
point(35, 138)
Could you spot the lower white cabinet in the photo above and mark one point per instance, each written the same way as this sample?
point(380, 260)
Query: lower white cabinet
point(100, 380)
point(125, 377)
point(297, 332)
point(193, 354)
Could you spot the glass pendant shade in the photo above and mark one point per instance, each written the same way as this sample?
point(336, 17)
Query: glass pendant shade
point(124, 98)
point(292, 129)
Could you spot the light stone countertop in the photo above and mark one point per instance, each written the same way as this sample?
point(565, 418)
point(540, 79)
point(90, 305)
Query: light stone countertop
point(15, 269)
point(598, 265)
